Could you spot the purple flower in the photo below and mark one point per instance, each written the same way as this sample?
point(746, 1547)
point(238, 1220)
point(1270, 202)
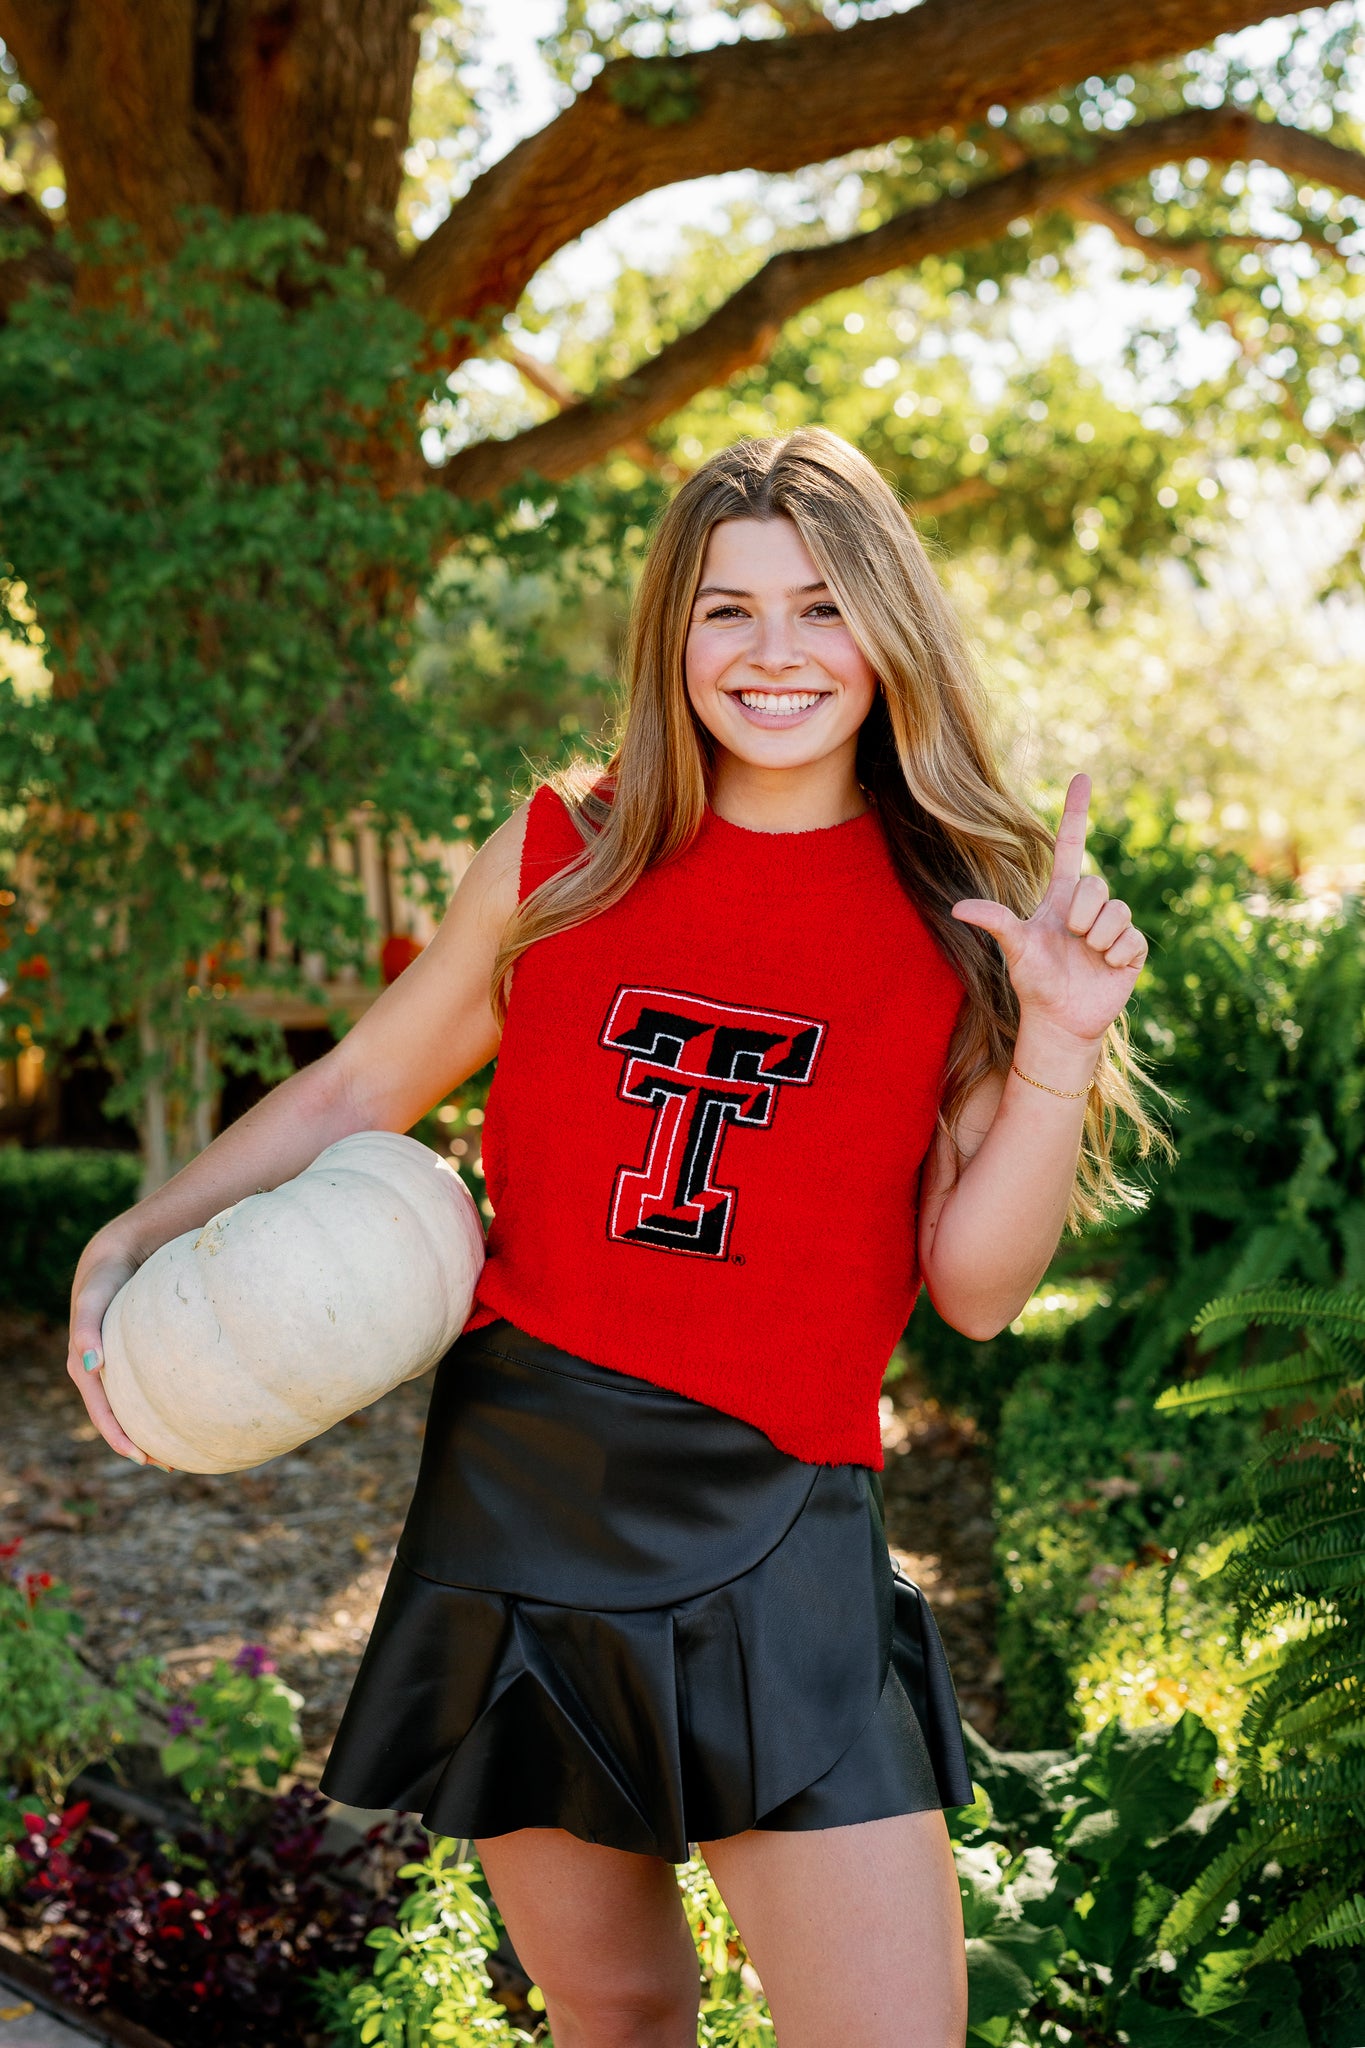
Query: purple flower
point(254, 1659)
point(181, 1718)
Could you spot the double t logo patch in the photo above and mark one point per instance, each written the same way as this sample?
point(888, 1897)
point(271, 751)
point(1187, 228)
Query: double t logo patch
point(699, 1066)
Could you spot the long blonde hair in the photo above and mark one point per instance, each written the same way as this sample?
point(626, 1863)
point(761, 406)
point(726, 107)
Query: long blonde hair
point(925, 756)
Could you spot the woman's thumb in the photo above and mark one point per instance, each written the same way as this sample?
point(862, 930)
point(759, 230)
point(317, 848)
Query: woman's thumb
point(997, 918)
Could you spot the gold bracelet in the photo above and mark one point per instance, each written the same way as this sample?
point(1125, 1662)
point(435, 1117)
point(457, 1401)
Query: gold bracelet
point(1069, 1094)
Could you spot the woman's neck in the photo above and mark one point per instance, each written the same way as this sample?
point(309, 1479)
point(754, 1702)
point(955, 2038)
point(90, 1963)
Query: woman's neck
point(800, 799)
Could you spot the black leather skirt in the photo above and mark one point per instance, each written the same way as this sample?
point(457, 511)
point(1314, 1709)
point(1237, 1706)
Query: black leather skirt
point(618, 1611)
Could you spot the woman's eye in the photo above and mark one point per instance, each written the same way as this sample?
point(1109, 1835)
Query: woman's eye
point(724, 611)
point(824, 610)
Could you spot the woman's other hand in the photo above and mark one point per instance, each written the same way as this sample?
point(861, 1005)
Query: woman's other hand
point(104, 1266)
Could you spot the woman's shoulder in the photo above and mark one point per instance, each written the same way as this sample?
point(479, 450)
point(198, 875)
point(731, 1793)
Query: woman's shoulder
point(559, 821)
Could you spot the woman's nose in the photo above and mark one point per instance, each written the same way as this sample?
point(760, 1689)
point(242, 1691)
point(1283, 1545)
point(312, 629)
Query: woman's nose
point(775, 646)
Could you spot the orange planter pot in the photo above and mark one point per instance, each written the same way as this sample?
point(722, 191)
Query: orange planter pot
point(398, 951)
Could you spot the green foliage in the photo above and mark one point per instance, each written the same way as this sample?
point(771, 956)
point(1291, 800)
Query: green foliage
point(55, 1716)
point(214, 523)
point(52, 1202)
point(1256, 1019)
point(429, 1981)
point(733, 2010)
point(1162, 1649)
point(661, 94)
point(1291, 1541)
point(234, 1736)
point(1069, 1862)
point(517, 636)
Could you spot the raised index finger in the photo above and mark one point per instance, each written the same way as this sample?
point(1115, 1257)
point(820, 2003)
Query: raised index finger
point(1069, 848)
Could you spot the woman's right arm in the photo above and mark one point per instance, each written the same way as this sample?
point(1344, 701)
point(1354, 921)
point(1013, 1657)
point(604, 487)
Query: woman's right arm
point(427, 1032)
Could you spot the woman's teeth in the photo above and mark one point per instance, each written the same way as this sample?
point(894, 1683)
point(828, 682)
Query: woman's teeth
point(770, 700)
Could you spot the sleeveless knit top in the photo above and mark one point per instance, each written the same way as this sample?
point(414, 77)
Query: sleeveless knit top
point(705, 1130)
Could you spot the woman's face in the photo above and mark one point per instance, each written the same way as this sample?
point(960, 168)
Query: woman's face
point(773, 671)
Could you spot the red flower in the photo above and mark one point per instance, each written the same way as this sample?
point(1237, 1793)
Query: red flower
point(8, 1549)
point(34, 1584)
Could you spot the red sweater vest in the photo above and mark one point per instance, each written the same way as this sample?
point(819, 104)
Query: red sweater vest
point(704, 1135)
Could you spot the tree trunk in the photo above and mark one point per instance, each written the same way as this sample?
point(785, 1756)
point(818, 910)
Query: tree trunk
point(156, 1150)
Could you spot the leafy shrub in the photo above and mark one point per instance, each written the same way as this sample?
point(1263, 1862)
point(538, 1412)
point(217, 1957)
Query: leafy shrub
point(52, 1201)
point(1257, 1018)
point(54, 1715)
point(1165, 1647)
point(1293, 1536)
point(430, 1982)
point(235, 1735)
point(210, 1937)
point(1069, 1863)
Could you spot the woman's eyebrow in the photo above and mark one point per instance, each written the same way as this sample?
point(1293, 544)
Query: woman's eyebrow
point(723, 590)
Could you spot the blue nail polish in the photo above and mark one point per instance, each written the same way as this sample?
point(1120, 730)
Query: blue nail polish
point(90, 1360)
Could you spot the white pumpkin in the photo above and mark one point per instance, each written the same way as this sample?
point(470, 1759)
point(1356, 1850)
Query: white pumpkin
point(294, 1307)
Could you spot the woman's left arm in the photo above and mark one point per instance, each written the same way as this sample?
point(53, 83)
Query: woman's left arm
point(986, 1239)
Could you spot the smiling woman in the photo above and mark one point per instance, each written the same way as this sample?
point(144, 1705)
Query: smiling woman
point(643, 1597)
point(776, 677)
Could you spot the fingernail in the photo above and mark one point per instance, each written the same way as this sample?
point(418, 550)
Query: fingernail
point(159, 1466)
point(90, 1360)
point(135, 1457)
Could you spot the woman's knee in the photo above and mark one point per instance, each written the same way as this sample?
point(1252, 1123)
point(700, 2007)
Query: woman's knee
point(612, 2015)
point(620, 1989)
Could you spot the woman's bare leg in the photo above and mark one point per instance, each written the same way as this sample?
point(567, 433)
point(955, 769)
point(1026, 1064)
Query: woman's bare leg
point(855, 1931)
point(604, 1935)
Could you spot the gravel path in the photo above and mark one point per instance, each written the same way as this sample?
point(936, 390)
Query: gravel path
point(295, 1555)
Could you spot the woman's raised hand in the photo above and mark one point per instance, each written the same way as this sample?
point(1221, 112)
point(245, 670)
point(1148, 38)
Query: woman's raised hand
point(1073, 964)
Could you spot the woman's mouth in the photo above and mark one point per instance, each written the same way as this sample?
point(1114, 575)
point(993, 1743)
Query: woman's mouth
point(778, 707)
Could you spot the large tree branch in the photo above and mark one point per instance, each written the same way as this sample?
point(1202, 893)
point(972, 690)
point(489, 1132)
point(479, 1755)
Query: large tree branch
point(775, 106)
point(743, 330)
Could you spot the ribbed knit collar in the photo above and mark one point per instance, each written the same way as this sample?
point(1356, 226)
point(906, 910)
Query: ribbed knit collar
point(822, 853)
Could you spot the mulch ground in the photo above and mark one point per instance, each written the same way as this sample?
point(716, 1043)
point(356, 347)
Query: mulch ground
point(295, 1555)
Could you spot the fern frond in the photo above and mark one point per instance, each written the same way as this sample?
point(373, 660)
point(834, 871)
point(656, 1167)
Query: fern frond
point(1307, 1796)
point(1339, 1433)
point(1344, 1926)
point(1262, 1385)
point(1306, 1694)
point(1301, 1924)
point(1338, 1311)
point(1199, 1909)
point(1312, 1561)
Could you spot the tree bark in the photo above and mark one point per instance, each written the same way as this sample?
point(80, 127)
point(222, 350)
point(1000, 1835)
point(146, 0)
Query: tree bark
point(249, 105)
point(743, 331)
point(775, 106)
